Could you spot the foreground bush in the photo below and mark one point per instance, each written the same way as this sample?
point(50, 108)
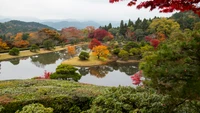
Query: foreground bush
point(140, 100)
point(14, 51)
point(63, 96)
point(35, 108)
point(66, 72)
point(84, 55)
point(72, 97)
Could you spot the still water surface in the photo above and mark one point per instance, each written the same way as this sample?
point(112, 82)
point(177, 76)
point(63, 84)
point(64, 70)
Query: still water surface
point(112, 74)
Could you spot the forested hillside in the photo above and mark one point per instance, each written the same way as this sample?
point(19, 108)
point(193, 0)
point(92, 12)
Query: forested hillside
point(15, 26)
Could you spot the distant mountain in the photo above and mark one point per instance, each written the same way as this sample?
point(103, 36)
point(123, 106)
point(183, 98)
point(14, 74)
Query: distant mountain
point(77, 24)
point(15, 26)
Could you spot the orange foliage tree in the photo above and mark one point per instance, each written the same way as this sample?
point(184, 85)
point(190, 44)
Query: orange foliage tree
point(18, 42)
point(100, 51)
point(71, 50)
point(52, 34)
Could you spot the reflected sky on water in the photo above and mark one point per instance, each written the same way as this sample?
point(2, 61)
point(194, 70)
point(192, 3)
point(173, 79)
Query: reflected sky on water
point(112, 74)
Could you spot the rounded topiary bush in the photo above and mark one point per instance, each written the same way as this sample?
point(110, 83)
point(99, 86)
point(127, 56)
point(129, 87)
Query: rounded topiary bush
point(66, 72)
point(124, 55)
point(34, 48)
point(14, 51)
point(84, 55)
point(35, 108)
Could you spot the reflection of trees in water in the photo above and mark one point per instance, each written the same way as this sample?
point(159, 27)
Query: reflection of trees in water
point(24, 58)
point(15, 61)
point(45, 59)
point(63, 55)
point(128, 68)
point(83, 71)
point(103, 70)
point(100, 71)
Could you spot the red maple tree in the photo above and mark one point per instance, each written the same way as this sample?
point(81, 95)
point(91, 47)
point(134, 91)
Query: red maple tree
point(94, 43)
point(100, 34)
point(167, 5)
point(136, 78)
point(153, 42)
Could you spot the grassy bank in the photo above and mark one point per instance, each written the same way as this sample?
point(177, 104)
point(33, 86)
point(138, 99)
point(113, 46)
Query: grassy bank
point(92, 61)
point(60, 95)
point(6, 56)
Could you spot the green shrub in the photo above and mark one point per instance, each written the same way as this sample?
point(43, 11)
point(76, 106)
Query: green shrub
point(1, 108)
point(130, 45)
point(116, 51)
point(84, 55)
point(124, 55)
point(146, 48)
point(62, 44)
point(66, 72)
point(134, 51)
point(129, 100)
point(34, 48)
point(48, 44)
point(14, 51)
point(35, 108)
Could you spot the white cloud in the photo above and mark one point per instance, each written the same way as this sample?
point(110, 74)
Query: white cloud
point(74, 9)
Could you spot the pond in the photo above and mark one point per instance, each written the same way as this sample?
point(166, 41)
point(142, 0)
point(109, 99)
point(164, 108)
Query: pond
point(111, 74)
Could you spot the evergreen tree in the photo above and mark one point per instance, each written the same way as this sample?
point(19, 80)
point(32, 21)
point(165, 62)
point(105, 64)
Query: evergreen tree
point(109, 26)
point(138, 23)
point(122, 29)
point(130, 23)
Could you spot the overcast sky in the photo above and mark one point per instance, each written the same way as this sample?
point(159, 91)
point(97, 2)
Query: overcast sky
point(97, 10)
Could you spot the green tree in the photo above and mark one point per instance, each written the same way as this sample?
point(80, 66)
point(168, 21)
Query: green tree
point(34, 48)
point(14, 51)
point(114, 31)
point(174, 68)
point(122, 28)
point(48, 44)
point(164, 25)
point(138, 23)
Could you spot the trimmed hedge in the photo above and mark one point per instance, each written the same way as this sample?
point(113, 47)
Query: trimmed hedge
point(62, 96)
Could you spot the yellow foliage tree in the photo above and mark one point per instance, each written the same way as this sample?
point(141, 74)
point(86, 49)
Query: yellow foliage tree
point(3, 45)
point(100, 51)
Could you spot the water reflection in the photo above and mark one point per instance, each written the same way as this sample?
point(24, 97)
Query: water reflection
point(103, 70)
point(15, 61)
point(45, 59)
point(112, 74)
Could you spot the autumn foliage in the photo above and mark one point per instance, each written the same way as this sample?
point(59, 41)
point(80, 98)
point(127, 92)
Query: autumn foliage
point(71, 50)
point(166, 5)
point(94, 43)
point(100, 34)
point(71, 32)
point(45, 76)
point(153, 42)
point(100, 51)
point(3, 45)
point(136, 78)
